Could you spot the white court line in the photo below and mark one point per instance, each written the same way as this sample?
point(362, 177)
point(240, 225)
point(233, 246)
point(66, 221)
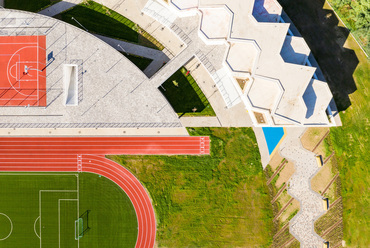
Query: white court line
point(30, 43)
point(15, 53)
point(10, 55)
point(10, 71)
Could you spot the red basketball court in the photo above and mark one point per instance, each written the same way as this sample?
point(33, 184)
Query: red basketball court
point(23, 71)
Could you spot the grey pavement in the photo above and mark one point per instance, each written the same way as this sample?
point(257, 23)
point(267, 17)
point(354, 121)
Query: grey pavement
point(262, 146)
point(157, 56)
point(107, 98)
point(135, 49)
point(59, 7)
point(153, 67)
point(299, 186)
point(201, 121)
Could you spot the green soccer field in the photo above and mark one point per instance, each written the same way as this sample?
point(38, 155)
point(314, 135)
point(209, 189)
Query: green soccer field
point(64, 210)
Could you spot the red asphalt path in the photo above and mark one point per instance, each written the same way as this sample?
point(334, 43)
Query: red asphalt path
point(86, 154)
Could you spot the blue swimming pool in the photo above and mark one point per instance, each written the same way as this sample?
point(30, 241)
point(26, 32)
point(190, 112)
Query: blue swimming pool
point(273, 135)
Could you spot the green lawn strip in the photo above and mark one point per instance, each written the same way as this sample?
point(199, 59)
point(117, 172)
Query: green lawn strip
point(351, 144)
point(99, 19)
point(141, 62)
point(29, 5)
point(219, 200)
point(184, 95)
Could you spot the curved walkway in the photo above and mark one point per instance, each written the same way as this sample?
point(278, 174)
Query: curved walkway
point(302, 225)
point(64, 155)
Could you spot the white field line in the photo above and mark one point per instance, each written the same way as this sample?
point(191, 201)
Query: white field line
point(36, 174)
point(11, 226)
point(34, 227)
point(78, 204)
point(59, 200)
point(40, 200)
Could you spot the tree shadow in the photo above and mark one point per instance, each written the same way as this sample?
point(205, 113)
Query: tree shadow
point(319, 27)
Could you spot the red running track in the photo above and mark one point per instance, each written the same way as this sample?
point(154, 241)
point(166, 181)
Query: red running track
point(106, 145)
point(65, 155)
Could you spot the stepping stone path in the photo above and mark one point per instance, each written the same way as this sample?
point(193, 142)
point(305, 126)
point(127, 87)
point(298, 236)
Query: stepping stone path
point(299, 186)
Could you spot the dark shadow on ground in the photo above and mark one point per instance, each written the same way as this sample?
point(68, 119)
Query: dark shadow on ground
point(185, 96)
point(319, 27)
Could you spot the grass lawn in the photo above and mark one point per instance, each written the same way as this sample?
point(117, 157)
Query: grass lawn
point(46, 206)
point(141, 62)
point(104, 21)
point(29, 5)
point(184, 94)
point(351, 143)
point(209, 201)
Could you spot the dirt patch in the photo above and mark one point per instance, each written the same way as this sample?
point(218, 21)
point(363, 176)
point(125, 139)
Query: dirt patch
point(283, 199)
point(290, 211)
point(312, 136)
point(285, 174)
point(331, 193)
point(322, 178)
point(321, 150)
point(275, 161)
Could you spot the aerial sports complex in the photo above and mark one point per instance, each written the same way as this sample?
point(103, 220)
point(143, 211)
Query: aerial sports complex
point(68, 98)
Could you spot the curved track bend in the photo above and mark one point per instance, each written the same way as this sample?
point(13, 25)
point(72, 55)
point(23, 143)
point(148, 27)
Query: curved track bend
point(86, 154)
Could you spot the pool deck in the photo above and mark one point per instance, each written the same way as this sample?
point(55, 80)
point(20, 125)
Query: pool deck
point(262, 145)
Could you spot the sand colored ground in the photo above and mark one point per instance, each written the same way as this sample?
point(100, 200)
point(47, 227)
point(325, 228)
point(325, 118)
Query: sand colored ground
point(275, 161)
point(322, 178)
point(312, 136)
point(285, 174)
point(289, 210)
point(284, 198)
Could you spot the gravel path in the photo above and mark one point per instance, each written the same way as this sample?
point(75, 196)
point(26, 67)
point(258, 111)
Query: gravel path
point(302, 225)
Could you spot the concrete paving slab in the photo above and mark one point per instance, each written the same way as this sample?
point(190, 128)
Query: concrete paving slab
point(59, 7)
point(204, 121)
point(134, 49)
point(262, 145)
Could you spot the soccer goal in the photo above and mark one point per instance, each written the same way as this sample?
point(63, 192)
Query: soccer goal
point(82, 225)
